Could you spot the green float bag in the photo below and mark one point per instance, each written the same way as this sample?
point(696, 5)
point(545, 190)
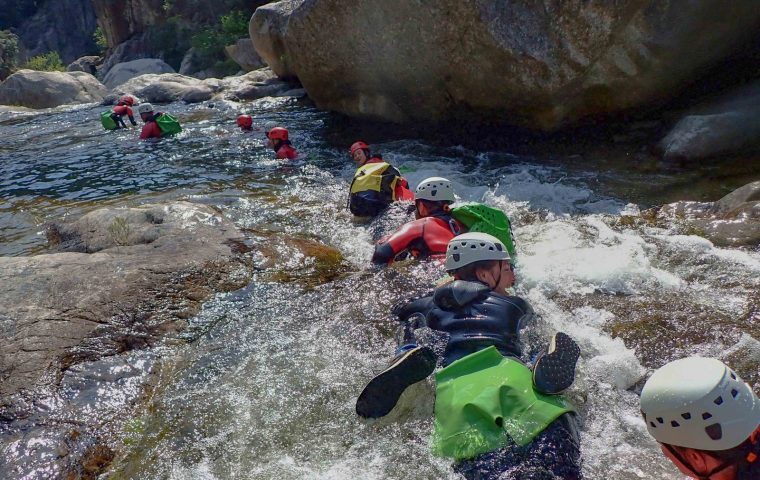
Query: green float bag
point(482, 218)
point(485, 400)
point(107, 121)
point(168, 124)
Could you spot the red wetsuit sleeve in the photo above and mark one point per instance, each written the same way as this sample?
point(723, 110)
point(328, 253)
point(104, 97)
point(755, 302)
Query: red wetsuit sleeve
point(402, 192)
point(387, 248)
point(286, 151)
point(150, 130)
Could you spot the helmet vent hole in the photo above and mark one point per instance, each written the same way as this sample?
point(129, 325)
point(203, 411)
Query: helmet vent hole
point(433, 193)
point(482, 244)
point(455, 257)
point(714, 431)
point(659, 419)
point(498, 247)
point(733, 375)
point(653, 424)
point(473, 246)
point(706, 416)
point(718, 401)
point(734, 392)
point(673, 423)
point(686, 416)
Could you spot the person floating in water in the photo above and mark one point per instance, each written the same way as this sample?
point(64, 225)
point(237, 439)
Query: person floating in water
point(492, 414)
point(376, 183)
point(245, 122)
point(428, 235)
point(277, 140)
point(706, 419)
point(157, 124)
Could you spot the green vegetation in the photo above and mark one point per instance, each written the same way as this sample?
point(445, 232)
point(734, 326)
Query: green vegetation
point(120, 231)
point(48, 62)
point(8, 53)
point(100, 40)
point(210, 42)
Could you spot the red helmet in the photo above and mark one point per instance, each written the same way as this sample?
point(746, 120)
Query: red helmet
point(245, 121)
point(278, 133)
point(127, 100)
point(359, 146)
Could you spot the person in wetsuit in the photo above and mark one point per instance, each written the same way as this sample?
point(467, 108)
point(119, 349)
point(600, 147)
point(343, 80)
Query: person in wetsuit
point(706, 419)
point(429, 234)
point(492, 414)
point(376, 183)
point(277, 140)
point(122, 109)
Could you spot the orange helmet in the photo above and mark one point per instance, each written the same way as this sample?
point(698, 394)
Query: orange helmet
point(245, 121)
point(278, 133)
point(359, 146)
point(127, 100)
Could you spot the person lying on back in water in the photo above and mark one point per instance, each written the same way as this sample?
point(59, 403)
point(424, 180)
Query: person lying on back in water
point(376, 183)
point(428, 235)
point(492, 414)
point(706, 419)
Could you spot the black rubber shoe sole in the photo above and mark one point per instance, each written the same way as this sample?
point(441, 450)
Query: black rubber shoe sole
point(554, 371)
point(382, 392)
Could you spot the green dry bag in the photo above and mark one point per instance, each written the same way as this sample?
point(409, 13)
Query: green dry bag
point(168, 124)
point(107, 121)
point(482, 218)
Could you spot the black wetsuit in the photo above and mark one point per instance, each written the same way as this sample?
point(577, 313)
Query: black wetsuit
point(475, 318)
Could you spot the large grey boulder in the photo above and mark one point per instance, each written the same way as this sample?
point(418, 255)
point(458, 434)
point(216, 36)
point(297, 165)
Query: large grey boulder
point(727, 126)
point(540, 64)
point(86, 64)
point(243, 53)
point(123, 72)
point(33, 89)
point(734, 220)
point(123, 279)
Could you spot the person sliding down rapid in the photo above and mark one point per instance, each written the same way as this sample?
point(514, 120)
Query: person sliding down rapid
point(376, 183)
point(123, 109)
point(277, 140)
point(492, 414)
point(157, 124)
point(429, 234)
point(706, 419)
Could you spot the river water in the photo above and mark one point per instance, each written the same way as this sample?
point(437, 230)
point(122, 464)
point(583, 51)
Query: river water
point(265, 386)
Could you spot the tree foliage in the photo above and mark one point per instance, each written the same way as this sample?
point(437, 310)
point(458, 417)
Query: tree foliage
point(8, 53)
point(48, 62)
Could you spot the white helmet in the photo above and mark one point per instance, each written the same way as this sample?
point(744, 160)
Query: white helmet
point(436, 189)
point(473, 247)
point(145, 108)
point(699, 403)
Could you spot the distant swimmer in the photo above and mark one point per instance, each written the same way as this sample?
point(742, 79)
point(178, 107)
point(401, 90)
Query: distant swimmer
point(376, 183)
point(493, 415)
point(245, 122)
point(114, 119)
point(277, 140)
point(706, 419)
point(157, 124)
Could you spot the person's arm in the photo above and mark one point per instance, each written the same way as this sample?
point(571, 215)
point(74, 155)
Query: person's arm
point(131, 117)
point(387, 249)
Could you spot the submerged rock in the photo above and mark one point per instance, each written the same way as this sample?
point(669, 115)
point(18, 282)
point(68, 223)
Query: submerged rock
point(123, 279)
point(734, 220)
point(542, 65)
point(34, 89)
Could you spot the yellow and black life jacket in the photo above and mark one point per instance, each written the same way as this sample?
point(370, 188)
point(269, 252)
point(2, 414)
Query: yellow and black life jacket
point(372, 188)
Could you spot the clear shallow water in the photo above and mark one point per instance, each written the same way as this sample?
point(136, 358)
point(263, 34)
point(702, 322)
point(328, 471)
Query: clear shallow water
point(266, 388)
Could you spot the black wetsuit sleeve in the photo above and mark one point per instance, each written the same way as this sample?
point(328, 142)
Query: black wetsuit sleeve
point(132, 119)
point(417, 306)
point(383, 254)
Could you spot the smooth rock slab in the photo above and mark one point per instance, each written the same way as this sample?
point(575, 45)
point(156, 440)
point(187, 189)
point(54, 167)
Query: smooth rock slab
point(33, 89)
point(148, 270)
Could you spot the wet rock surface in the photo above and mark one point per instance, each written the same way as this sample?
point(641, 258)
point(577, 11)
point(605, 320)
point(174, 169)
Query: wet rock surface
point(33, 89)
point(734, 220)
point(77, 325)
point(123, 279)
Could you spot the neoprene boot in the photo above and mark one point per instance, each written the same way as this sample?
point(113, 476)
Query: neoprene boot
point(411, 365)
point(554, 371)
